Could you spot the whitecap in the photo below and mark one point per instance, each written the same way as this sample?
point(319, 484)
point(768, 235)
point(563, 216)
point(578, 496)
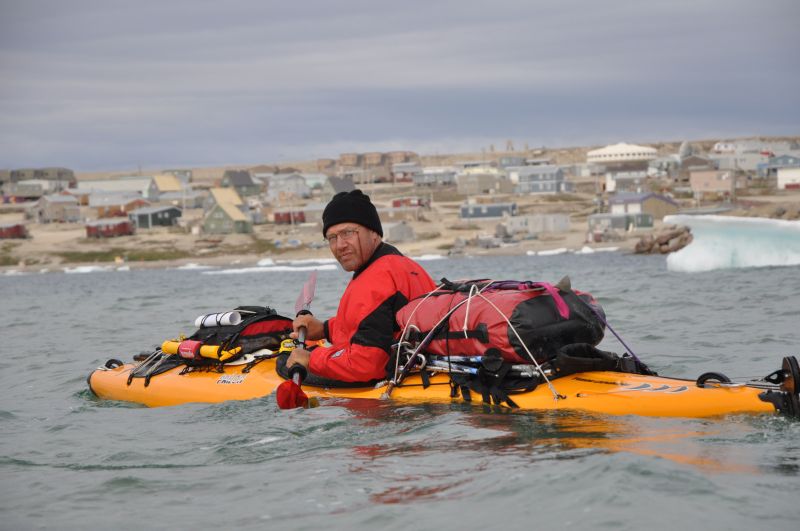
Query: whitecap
point(193, 266)
point(308, 261)
point(86, 269)
point(16, 273)
point(551, 252)
point(584, 250)
point(273, 269)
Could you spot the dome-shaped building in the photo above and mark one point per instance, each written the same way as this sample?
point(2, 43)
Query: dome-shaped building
point(621, 153)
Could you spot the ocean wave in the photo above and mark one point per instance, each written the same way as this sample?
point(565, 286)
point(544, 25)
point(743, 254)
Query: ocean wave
point(192, 266)
point(429, 257)
point(87, 269)
point(727, 242)
point(552, 252)
point(271, 269)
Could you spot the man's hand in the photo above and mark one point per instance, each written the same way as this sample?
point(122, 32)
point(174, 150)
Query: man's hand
point(314, 327)
point(298, 357)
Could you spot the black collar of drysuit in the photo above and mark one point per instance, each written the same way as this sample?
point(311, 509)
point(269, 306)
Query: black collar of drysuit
point(384, 249)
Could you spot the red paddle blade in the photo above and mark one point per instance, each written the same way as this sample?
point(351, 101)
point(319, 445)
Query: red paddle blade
point(290, 396)
point(307, 295)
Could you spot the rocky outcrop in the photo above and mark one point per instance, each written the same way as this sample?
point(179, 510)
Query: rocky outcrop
point(669, 240)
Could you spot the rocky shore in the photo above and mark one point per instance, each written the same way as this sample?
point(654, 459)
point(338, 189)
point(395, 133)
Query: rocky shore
point(669, 240)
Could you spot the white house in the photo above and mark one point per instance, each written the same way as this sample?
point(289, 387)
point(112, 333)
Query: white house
point(789, 178)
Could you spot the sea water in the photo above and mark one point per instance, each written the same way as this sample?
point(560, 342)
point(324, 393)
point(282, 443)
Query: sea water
point(70, 461)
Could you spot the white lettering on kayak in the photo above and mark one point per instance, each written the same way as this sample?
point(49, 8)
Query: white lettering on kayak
point(231, 378)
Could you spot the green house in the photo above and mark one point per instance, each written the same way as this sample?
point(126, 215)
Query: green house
point(225, 218)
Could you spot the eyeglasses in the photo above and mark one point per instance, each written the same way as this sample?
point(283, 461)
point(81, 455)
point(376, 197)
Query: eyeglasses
point(345, 235)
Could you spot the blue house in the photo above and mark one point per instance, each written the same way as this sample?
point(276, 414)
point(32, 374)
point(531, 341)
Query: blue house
point(157, 216)
point(771, 167)
point(487, 211)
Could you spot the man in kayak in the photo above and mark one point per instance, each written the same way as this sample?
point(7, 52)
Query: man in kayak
point(363, 329)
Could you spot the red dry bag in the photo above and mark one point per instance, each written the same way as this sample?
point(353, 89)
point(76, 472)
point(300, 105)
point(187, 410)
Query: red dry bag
point(467, 318)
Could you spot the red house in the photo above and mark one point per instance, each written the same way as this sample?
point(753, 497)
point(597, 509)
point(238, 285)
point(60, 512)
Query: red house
point(13, 230)
point(109, 228)
point(289, 217)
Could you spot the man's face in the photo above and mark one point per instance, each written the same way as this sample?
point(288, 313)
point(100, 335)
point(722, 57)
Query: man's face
point(351, 244)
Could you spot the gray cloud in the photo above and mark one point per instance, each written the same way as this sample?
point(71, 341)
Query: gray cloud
point(110, 84)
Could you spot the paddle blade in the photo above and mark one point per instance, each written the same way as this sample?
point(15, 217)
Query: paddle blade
point(307, 295)
point(290, 396)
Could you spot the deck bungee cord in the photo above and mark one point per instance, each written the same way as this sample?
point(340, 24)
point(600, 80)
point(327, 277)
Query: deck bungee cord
point(415, 356)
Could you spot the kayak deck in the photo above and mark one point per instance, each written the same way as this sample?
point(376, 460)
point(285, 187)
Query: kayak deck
point(613, 393)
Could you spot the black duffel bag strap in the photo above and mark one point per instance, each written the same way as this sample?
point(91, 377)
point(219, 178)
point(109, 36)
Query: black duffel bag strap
point(480, 332)
point(582, 357)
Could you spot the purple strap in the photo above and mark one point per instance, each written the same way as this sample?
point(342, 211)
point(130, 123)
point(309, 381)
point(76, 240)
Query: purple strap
point(563, 309)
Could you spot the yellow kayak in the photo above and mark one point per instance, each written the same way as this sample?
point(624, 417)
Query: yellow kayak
point(606, 392)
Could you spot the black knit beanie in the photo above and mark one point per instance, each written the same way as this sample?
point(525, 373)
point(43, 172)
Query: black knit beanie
point(352, 206)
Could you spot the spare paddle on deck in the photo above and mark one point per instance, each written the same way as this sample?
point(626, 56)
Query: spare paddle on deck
point(289, 395)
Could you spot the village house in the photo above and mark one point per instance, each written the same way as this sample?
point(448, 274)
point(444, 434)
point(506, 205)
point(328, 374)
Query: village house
point(624, 166)
point(406, 171)
point(109, 228)
point(134, 184)
point(61, 208)
point(30, 189)
point(749, 161)
point(166, 183)
point(511, 162)
point(251, 208)
point(487, 210)
point(63, 178)
point(242, 181)
point(483, 180)
point(224, 218)
point(364, 168)
point(544, 179)
point(398, 232)
point(184, 176)
point(788, 178)
point(222, 195)
point(632, 182)
point(436, 176)
point(110, 205)
point(771, 167)
point(712, 183)
point(400, 213)
point(288, 187)
point(532, 224)
point(656, 205)
point(604, 227)
point(155, 216)
point(692, 163)
point(315, 181)
point(162, 184)
point(5, 179)
point(292, 215)
point(184, 199)
point(13, 230)
point(335, 185)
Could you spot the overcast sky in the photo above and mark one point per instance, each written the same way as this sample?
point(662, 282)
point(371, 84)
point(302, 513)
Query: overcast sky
point(116, 84)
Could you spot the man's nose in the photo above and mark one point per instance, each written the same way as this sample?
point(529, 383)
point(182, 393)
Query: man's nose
point(340, 243)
